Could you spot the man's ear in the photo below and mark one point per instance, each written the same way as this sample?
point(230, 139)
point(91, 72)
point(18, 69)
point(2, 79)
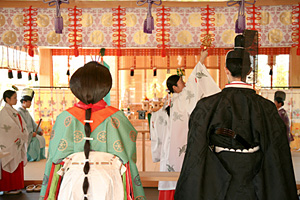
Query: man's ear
point(227, 71)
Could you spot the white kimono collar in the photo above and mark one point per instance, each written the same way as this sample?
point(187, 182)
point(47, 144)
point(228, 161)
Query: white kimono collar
point(238, 84)
point(281, 108)
point(23, 109)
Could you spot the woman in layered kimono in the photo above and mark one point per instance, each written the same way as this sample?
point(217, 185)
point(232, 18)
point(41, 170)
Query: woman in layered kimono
point(13, 139)
point(92, 142)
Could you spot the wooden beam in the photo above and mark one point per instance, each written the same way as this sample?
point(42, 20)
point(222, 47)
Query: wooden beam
point(159, 176)
point(131, 4)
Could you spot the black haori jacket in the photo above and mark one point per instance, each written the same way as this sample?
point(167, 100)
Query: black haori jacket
point(266, 174)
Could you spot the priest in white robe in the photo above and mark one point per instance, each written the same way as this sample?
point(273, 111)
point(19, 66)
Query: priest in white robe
point(169, 125)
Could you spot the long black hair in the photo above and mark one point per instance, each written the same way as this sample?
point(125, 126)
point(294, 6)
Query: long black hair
point(90, 84)
point(172, 81)
point(8, 94)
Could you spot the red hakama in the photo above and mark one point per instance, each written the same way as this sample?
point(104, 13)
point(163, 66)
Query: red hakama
point(12, 181)
point(166, 195)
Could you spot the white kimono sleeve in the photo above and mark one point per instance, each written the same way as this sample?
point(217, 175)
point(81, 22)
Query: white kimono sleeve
point(158, 127)
point(199, 84)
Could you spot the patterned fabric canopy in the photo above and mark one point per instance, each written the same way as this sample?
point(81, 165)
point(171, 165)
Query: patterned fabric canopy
point(185, 27)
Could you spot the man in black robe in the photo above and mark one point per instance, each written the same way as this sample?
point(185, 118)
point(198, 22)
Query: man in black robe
point(237, 148)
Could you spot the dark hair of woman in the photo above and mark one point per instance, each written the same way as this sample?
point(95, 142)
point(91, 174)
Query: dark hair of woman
point(90, 84)
point(26, 98)
point(8, 94)
point(172, 81)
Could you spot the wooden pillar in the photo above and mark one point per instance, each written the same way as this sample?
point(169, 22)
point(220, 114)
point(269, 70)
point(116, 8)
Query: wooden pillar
point(223, 77)
point(46, 67)
point(294, 78)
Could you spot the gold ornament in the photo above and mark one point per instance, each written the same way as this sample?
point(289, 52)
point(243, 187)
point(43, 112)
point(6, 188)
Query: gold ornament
point(140, 37)
point(66, 18)
point(87, 20)
point(18, 20)
point(207, 41)
point(53, 38)
point(220, 19)
point(265, 18)
point(97, 37)
point(175, 19)
point(130, 19)
point(195, 19)
point(275, 35)
point(9, 37)
point(228, 36)
point(106, 19)
point(43, 20)
point(2, 20)
point(286, 18)
point(184, 37)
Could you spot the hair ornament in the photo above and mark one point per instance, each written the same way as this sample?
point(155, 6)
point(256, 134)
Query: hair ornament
point(88, 138)
point(88, 121)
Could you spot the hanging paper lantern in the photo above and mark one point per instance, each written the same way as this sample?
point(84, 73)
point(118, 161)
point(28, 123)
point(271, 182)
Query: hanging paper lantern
point(149, 21)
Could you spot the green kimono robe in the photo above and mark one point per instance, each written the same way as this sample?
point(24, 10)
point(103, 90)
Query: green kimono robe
point(111, 132)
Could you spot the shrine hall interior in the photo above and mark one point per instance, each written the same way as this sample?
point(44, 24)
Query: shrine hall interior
point(114, 32)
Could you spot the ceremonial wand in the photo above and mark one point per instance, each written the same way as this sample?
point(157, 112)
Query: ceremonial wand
point(37, 128)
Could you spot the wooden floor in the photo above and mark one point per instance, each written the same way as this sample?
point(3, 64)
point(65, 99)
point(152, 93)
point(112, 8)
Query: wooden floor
point(150, 193)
